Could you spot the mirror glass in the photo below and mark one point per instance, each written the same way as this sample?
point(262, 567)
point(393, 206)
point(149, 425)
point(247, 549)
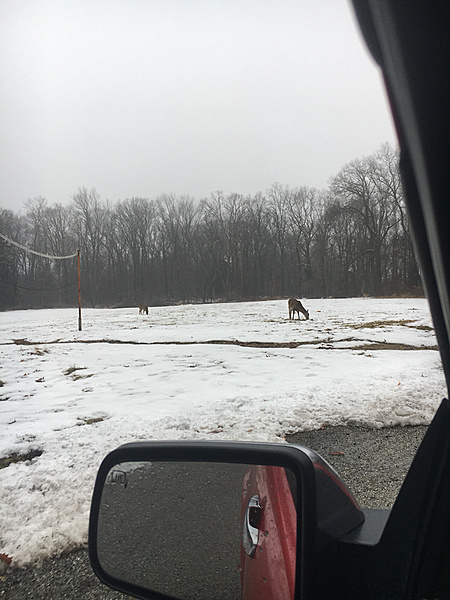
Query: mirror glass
point(195, 530)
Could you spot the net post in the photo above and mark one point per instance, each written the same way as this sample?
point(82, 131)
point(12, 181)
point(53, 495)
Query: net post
point(79, 291)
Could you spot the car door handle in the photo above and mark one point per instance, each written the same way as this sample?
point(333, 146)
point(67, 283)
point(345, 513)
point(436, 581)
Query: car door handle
point(250, 525)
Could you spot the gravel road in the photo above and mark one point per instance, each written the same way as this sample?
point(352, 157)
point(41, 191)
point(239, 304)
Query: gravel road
point(373, 463)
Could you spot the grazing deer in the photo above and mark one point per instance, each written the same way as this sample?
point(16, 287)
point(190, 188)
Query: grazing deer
point(295, 306)
point(143, 309)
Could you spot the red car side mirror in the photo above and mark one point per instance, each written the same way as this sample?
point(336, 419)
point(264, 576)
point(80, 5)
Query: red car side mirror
point(214, 520)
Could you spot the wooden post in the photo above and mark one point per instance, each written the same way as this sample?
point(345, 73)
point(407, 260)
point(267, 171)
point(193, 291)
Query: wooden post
point(79, 292)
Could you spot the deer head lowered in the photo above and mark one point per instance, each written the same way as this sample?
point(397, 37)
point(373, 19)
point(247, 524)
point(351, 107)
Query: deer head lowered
point(295, 306)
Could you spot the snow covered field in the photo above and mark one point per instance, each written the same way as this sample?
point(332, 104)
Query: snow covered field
point(221, 371)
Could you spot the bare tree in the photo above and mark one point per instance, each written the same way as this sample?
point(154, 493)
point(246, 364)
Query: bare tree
point(11, 258)
point(278, 206)
point(91, 228)
point(303, 206)
point(369, 198)
point(177, 226)
point(132, 248)
point(350, 239)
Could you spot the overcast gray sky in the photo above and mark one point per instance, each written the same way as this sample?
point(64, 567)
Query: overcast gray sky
point(144, 97)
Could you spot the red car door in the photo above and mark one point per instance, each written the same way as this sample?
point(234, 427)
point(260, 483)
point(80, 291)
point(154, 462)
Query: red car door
point(269, 524)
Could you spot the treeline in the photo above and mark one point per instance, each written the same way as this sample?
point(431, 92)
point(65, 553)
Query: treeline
point(349, 240)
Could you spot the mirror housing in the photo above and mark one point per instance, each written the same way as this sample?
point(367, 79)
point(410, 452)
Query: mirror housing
point(284, 492)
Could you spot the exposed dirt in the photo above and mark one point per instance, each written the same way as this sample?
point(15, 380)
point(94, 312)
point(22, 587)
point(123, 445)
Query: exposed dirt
point(321, 344)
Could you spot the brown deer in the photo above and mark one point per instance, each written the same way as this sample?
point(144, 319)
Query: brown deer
point(143, 309)
point(295, 306)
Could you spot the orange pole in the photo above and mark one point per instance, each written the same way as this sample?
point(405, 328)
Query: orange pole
point(79, 292)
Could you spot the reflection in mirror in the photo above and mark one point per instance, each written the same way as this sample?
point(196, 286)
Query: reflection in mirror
point(195, 530)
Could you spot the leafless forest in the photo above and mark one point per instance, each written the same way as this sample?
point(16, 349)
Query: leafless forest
point(348, 240)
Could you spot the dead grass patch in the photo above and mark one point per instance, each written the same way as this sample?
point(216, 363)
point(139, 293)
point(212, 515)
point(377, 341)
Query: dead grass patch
point(22, 342)
point(381, 324)
point(15, 458)
point(71, 370)
point(393, 323)
point(77, 377)
point(39, 352)
point(90, 421)
point(389, 346)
